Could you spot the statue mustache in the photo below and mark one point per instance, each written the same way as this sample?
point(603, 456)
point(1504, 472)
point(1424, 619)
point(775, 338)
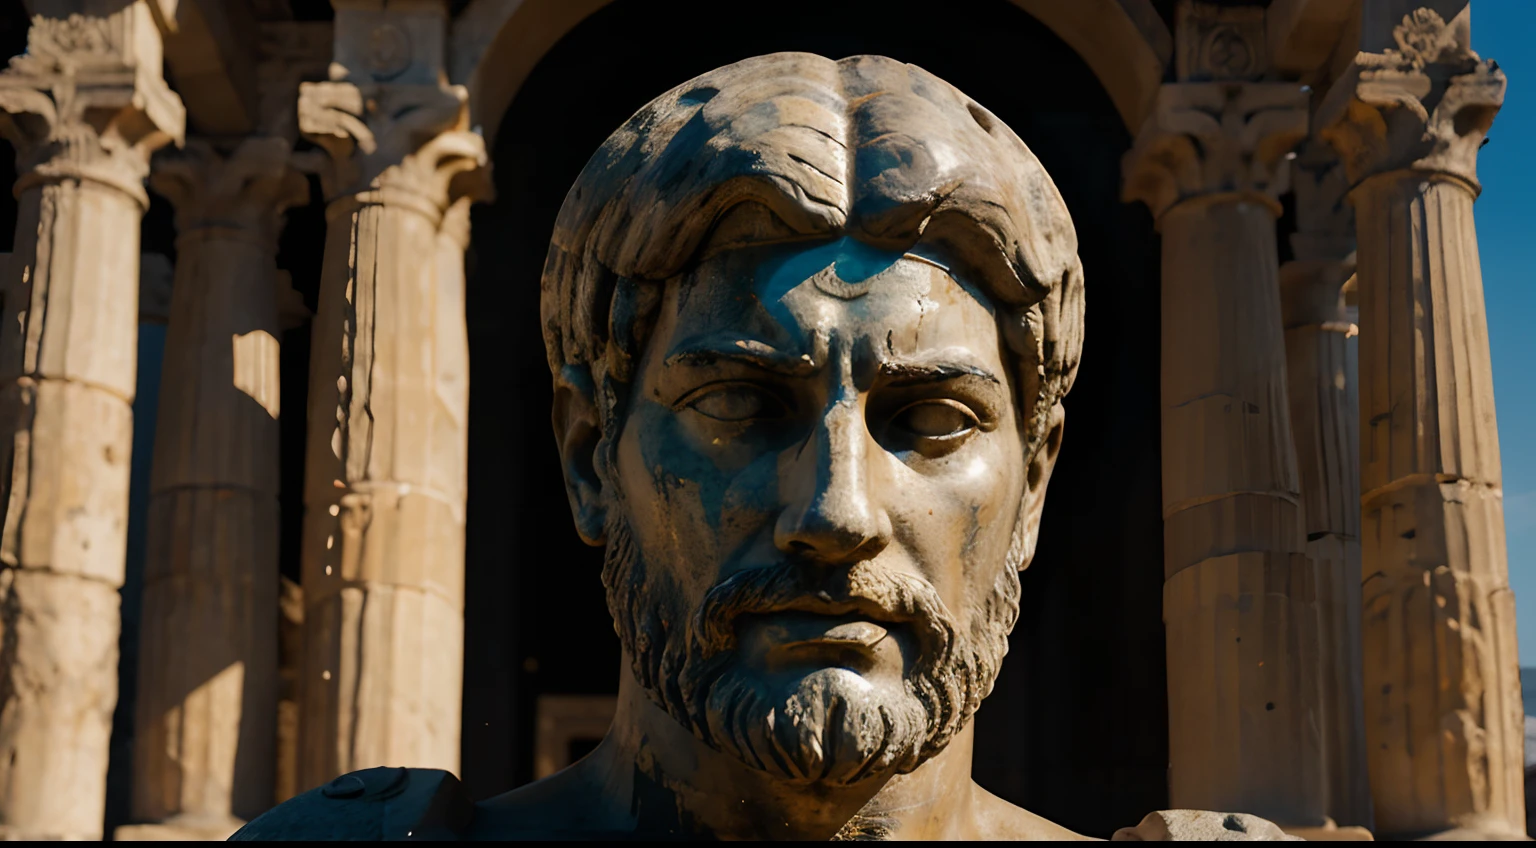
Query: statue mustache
point(879, 593)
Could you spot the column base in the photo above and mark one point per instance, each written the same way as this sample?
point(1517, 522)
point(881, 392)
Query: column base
point(179, 829)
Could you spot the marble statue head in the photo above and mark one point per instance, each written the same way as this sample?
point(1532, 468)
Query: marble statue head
point(811, 323)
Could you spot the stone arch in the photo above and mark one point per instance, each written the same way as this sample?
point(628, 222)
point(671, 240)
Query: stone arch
point(497, 43)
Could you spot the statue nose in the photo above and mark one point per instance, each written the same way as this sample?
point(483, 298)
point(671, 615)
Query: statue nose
point(836, 520)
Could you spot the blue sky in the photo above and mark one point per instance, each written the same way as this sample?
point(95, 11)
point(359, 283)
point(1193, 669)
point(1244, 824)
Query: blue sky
point(1506, 238)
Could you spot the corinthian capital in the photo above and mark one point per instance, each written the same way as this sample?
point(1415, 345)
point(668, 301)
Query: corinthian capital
point(1424, 106)
point(1325, 222)
point(87, 100)
point(392, 138)
point(1215, 138)
point(244, 192)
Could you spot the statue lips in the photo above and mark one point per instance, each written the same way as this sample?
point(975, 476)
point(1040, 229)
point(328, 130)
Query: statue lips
point(801, 628)
point(814, 629)
point(801, 615)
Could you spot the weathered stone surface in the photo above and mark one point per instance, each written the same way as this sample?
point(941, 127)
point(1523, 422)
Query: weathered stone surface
point(84, 108)
point(385, 483)
point(1322, 377)
point(207, 694)
point(1240, 602)
point(290, 660)
point(1442, 694)
point(1202, 826)
point(401, 650)
point(61, 687)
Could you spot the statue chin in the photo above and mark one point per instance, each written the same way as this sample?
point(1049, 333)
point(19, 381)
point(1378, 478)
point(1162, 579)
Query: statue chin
point(831, 726)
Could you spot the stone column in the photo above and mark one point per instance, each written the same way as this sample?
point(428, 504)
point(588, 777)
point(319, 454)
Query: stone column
point(1324, 393)
point(384, 493)
point(1443, 715)
point(84, 106)
point(204, 747)
point(1239, 600)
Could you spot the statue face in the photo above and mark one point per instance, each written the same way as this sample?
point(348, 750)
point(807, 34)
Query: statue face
point(814, 495)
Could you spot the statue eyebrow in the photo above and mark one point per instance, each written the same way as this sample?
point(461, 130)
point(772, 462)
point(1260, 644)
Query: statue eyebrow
point(750, 352)
point(753, 353)
point(915, 373)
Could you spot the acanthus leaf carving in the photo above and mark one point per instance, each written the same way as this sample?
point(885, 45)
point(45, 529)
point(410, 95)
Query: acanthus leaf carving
point(71, 39)
point(82, 104)
point(1215, 138)
point(1426, 106)
point(409, 138)
point(246, 190)
point(1424, 38)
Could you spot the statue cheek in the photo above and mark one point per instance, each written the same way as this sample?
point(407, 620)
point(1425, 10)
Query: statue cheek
point(958, 515)
point(697, 503)
point(750, 501)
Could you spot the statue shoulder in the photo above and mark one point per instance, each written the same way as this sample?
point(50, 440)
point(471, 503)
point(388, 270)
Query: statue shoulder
point(373, 804)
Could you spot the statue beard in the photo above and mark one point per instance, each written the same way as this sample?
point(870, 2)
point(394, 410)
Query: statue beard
point(830, 726)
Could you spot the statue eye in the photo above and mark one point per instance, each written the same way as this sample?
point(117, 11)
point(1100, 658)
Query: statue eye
point(936, 419)
point(737, 402)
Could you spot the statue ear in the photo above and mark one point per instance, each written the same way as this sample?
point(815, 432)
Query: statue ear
point(578, 435)
point(1038, 474)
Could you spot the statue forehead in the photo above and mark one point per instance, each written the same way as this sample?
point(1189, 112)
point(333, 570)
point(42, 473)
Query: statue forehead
point(790, 292)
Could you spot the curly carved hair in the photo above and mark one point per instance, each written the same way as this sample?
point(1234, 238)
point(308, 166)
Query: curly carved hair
point(865, 147)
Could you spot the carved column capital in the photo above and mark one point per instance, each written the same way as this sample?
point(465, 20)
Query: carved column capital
point(404, 143)
point(1424, 106)
point(1325, 223)
point(241, 194)
point(1209, 139)
point(87, 100)
point(1323, 245)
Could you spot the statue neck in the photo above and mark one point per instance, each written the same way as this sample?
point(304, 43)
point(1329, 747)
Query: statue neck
point(652, 776)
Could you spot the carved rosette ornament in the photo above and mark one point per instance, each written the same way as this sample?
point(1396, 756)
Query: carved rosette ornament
point(385, 485)
point(1220, 43)
point(84, 107)
point(1443, 711)
point(1243, 711)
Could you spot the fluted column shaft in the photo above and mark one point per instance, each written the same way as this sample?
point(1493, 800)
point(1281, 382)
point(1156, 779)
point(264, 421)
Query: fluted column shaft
point(1439, 614)
point(1443, 710)
point(384, 489)
point(1239, 599)
point(84, 107)
point(204, 750)
point(1322, 376)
